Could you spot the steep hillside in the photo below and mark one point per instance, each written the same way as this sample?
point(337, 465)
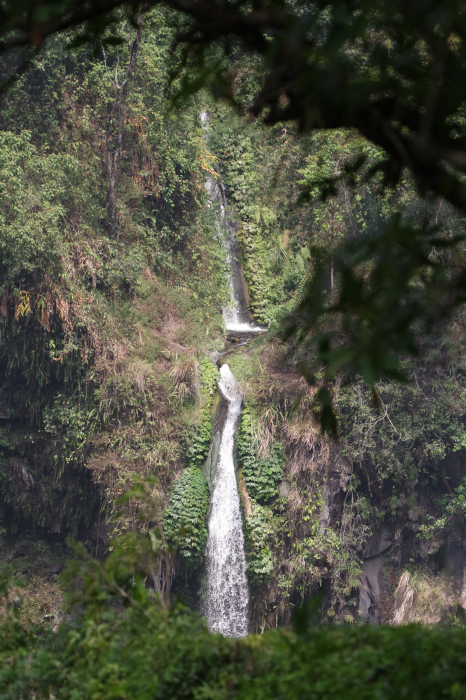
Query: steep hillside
point(375, 519)
point(103, 336)
point(109, 335)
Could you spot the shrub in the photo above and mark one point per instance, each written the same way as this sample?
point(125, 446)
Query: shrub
point(202, 437)
point(142, 650)
point(258, 531)
point(186, 513)
point(262, 474)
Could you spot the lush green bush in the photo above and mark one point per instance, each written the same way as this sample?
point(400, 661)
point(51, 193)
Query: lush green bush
point(258, 531)
point(32, 191)
point(143, 650)
point(185, 517)
point(262, 474)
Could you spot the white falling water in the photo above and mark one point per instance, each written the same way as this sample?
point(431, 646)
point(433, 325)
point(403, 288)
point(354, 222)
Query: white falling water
point(231, 315)
point(226, 589)
point(235, 312)
point(226, 594)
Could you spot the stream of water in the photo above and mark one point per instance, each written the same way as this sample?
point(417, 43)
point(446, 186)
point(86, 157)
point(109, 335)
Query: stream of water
point(226, 594)
point(235, 312)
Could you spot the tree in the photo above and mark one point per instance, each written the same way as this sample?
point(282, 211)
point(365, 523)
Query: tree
point(394, 72)
point(329, 193)
point(118, 109)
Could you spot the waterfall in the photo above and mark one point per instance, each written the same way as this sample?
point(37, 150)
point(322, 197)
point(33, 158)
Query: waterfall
point(226, 594)
point(235, 312)
point(226, 589)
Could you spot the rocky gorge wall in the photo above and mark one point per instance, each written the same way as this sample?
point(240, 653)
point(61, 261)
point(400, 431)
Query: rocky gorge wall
point(376, 528)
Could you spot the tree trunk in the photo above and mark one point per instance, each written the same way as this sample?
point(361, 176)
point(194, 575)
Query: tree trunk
point(333, 242)
point(331, 270)
point(119, 108)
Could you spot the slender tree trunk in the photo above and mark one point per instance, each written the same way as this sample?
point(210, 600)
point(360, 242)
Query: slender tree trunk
point(118, 112)
point(331, 258)
point(331, 270)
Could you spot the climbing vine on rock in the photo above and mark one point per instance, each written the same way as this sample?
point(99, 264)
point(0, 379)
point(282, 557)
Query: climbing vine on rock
point(258, 532)
point(202, 438)
point(185, 517)
point(262, 474)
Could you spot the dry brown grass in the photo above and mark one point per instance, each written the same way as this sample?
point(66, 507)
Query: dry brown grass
point(284, 403)
point(185, 374)
point(424, 598)
point(138, 405)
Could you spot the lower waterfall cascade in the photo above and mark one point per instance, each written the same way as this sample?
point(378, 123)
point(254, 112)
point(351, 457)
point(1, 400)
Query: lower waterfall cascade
point(226, 589)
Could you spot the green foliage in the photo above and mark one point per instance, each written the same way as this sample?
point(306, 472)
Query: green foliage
point(457, 502)
point(341, 202)
point(202, 438)
point(362, 69)
point(210, 375)
point(250, 161)
point(258, 532)
point(86, 320)
point(415, 427)
point(71, 297)
point(368, 267)
point(453, 507)
point(69, 425)
point(387, 281)
point(262, 474)
point(125, 642)
point(200, 442)
point(185, 516)
point(32, 189)
point(339, 548)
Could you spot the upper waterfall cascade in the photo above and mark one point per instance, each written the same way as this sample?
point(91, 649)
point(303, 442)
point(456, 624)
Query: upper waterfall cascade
point(235, 313)
point(226, 597)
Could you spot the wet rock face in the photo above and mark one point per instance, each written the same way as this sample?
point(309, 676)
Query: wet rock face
point(19, 473)
point(379, 542)
point(372, 584)
point(370, 589)
point(236, 339)
point(218, 423)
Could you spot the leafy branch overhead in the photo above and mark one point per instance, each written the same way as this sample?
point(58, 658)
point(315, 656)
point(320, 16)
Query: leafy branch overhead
point(394, 71)
point(394, 287)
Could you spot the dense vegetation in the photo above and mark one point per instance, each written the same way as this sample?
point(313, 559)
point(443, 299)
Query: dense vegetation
point(110, 330)
point(394, 74)
point(145, 650)
point(92, 333)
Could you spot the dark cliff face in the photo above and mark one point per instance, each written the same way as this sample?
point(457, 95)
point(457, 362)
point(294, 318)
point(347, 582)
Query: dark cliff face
point(354, 519)
point(396, 544)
